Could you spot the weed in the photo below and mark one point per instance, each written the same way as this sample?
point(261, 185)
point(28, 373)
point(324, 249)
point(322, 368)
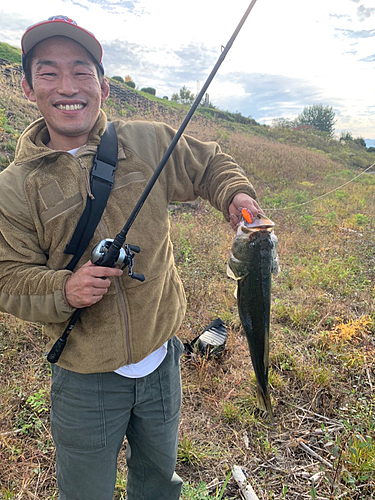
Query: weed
point(189, 452)
point(361, 220)
point(221, 135)
point(313, 493)
point(120, 488)
point(7, 494)
point(307, 222)
point(231, 412)
point(198, 492)
point(360, 458)
point(30, 418)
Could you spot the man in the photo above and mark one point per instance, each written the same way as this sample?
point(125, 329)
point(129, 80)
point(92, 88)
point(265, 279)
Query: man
point(119, 373)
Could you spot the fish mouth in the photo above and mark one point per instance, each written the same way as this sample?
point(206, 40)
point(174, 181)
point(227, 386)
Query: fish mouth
point(261, 222)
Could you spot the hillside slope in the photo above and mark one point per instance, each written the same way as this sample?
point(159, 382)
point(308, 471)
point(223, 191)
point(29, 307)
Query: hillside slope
point(322, 347)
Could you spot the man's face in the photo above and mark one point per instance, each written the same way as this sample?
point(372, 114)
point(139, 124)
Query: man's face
point(66, 90)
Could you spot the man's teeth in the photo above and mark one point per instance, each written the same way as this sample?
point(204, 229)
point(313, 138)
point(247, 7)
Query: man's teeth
point(70, 107)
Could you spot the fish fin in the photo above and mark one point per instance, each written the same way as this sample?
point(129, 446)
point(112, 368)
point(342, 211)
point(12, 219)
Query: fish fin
point(230, 273)
point(264, 403)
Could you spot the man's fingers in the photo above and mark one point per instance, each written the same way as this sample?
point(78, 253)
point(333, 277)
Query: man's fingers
point(88, 284)
point(98, 271)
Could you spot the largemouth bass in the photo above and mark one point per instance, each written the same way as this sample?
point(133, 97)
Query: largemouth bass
point(252, 259)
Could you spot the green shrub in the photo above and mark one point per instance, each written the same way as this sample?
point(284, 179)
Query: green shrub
point(149, 90)
point(118, 79)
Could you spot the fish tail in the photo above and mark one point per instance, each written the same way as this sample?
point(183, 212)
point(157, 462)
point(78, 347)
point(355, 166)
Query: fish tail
point(264, 403)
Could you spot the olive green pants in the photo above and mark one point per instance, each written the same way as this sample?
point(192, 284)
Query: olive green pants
point(91, 414)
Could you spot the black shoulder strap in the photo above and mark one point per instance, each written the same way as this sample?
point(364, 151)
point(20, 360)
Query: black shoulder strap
point(102, 177)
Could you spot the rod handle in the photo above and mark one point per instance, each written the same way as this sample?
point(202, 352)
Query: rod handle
point(57, 349)
point(58, 346)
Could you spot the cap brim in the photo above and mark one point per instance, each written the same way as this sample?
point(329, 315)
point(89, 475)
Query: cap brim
point(46, 29)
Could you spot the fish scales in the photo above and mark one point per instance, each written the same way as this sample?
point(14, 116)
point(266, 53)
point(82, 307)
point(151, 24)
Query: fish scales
point(252, 260)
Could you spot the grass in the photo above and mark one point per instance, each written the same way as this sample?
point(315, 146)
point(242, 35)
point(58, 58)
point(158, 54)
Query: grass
point(10, 53)
point(322, 346)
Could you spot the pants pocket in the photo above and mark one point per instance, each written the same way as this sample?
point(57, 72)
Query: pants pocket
point(77, 413)
point(170, 380)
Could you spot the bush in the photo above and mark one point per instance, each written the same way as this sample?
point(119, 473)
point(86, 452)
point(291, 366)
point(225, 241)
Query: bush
point(149, 90)
point(360, 141)
point(130, 84)
point(118, 79)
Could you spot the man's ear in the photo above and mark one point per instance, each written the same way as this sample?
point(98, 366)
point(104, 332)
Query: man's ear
point(29, 93)
point(104, 89)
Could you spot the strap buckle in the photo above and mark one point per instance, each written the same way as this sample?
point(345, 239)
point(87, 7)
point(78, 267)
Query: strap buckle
point(103, 171)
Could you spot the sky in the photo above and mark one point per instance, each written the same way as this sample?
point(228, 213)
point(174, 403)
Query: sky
point(288, 55)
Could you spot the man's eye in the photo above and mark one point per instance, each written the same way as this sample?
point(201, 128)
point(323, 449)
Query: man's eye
point(49, 74)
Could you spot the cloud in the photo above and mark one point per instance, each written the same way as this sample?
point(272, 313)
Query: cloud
point(119, 54)
point(195, 60)
point(165, 69)
point(266, 96)
point(356, 34)
point(369, 58)
point(111, 6)
point(13, 26)
point(364, 12)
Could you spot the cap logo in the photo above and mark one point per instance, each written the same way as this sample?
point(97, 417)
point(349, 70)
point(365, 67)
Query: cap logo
point(62, 18)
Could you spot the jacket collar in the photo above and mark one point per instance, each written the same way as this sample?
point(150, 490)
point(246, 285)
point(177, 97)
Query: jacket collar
point(32, 143)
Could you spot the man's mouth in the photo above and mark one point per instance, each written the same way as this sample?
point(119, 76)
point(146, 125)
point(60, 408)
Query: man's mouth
point(70, 107)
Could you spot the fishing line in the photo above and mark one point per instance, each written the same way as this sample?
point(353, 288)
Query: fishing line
point(323, 195)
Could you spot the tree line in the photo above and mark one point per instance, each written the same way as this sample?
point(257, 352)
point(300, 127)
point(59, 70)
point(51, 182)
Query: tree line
point(321, 118)
point(317, 116)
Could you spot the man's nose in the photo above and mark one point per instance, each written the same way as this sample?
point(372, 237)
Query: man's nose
point(67, 85)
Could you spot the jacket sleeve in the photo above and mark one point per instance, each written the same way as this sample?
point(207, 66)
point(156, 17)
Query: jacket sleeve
point(28, 288)
point(201, 169)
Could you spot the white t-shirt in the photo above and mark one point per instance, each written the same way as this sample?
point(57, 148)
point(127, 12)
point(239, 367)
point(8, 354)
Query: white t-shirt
point(150, 362)
point(146, 366)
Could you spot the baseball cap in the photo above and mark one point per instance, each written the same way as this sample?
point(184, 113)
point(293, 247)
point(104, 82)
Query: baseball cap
point(61, 26)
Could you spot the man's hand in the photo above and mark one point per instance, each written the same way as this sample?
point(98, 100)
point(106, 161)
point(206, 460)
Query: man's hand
point(242, 200)
point(85, 287)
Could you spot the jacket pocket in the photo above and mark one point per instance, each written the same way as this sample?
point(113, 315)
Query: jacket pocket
point(60, 208)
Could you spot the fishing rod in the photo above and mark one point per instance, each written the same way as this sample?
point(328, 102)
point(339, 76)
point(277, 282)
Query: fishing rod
point(110, 253)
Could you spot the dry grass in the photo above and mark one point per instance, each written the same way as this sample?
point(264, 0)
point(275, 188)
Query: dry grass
point(321, 352)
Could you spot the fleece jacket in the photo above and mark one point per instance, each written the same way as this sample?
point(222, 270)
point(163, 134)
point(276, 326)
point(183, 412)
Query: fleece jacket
point(42, 196)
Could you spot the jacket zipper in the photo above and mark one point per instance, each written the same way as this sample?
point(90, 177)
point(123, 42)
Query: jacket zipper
point(87, 178)
point(122, 302)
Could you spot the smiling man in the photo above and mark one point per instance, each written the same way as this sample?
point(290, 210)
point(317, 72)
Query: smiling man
point(119, 373)
point(65, 86)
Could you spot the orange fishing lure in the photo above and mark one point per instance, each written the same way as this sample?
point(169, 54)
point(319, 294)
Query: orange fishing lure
point(247, 215)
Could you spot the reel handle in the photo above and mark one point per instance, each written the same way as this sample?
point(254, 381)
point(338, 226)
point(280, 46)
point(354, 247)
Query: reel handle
point(137, 276)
